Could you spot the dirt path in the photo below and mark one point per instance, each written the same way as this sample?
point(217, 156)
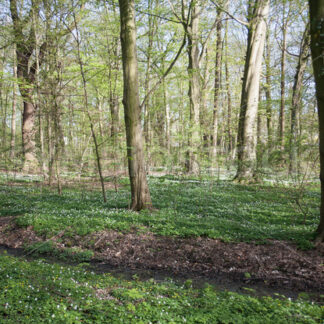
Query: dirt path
point(277, 266)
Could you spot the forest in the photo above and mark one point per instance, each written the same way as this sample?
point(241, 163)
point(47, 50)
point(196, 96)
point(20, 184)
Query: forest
point(162, 161)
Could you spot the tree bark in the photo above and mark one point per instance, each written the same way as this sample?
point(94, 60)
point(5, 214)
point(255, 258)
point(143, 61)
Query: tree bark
point(167, 126)
point(268, 95)
point(28, 131)
point(147, 81)
point(317, 48)
point(194, 87)
point(14, 106)
point(229, 100)
point(2, 105)
point(217, 83)
point(281, 139)
point(141, 198)
point(25, 45)
point(204, 118)
point(246, 140)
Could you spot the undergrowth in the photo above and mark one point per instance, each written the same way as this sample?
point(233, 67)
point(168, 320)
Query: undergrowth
point(37, 292)
point(48, 248)
point(215, 209)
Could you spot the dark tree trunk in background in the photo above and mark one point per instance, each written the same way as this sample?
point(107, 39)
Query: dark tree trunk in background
point(14, 106)
point(2, 106)
point(228, 93)
point(296, 100)
point(268, 96)
point(25, 46)
point(281, 139)
point(113, 95)
point(217, 82)
point(192, 31)
point(139, 188)
point(86, 104)
point(317, 47)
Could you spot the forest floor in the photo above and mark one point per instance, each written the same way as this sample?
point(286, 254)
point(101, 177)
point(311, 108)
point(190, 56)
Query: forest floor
point(247, 239)
point(275, 266)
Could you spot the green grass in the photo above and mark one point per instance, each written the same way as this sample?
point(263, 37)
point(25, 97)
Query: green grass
point(67, 254)
point(37, 292)
point(212, 209)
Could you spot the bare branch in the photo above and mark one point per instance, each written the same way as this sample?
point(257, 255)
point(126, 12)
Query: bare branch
point(157, 16)
point(201, 56)
point(174, 12)
point(165, 73)
point(244, 23)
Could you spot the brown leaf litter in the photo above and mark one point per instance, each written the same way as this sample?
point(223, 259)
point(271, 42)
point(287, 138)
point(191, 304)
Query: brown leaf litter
point(276, 264)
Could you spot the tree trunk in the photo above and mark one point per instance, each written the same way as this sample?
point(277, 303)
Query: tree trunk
point(86, 104)
point(194, 88)
point(229, 100)
point(217, 83)
point(281, 139)
point(167, 119)
point(246, 140)
point(28, 132)
point(268, 95)
point(204, 118)
point(141, 198)
point(113, 96)
point(317, 47)
point(147, 81)
point(296, 100)
point(42, 146)
point(25, 46)
point(261, 141)
point(14, 106)
point(50, 147)
point(2, 105)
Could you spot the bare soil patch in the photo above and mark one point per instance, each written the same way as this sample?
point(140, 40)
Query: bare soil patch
point(277, 264)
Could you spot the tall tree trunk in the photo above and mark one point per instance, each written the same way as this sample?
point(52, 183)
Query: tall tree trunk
point(50, 147)
point(296, 100)
point(217, 83)
point(246, 140)
point(86, 104)
point(25, 46)
point(114, 111)
point(99, 109)
point(261, 141)
point(268, 95)
point(204, 121)
point(194, 87)
point(229, 100)
point(147, 81)
point(317, 47)
point(141, 198)
point(281, 138)
point(14, 106)
point(167, 119)
point(2, 105)
point(28, 131)
point(113, 48)
point(113, 95)
point(42, 146)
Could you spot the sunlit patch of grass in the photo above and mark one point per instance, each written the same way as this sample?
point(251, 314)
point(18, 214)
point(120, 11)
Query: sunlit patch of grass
point(215, 209)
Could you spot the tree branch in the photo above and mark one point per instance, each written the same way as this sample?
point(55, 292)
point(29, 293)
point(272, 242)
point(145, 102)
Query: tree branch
point(165, 73)
point(244, 23)
point(157, 16)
